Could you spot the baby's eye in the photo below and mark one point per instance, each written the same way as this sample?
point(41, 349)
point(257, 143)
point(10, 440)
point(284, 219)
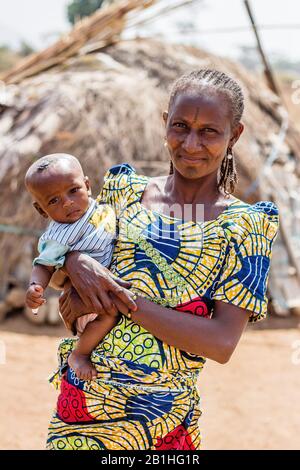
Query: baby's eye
point(53, 201)
point(74, 190)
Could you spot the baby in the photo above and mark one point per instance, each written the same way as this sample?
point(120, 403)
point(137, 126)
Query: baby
point(78, 223)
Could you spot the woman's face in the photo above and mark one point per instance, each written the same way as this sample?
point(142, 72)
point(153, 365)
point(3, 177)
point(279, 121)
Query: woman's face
point(199, 131)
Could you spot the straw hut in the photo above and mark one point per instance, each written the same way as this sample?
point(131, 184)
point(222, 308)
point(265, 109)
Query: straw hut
point(100, 98)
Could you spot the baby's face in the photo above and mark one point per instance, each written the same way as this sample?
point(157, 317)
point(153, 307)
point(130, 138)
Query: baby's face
point(62, 193)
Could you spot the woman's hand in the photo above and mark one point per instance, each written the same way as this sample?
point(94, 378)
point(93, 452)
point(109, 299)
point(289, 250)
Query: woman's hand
point(94, 284)
point(58, 279)
point(72, 307)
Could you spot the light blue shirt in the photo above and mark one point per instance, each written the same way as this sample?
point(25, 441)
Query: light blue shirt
point(93, 234)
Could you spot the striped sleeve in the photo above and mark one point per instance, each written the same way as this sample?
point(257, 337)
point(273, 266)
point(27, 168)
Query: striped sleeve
point(51, 253)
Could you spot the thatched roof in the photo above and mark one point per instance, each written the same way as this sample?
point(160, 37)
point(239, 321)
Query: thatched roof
point(105, 107)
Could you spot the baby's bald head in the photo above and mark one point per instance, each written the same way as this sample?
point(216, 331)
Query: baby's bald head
point(57, 182)
point(49, 165)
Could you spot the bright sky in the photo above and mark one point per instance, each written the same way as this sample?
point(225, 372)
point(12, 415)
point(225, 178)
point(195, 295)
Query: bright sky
point(39, 21)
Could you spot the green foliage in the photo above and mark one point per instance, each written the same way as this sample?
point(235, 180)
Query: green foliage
point(80, 8)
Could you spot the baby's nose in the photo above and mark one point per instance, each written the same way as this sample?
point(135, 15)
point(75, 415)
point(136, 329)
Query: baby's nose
point(67, 202)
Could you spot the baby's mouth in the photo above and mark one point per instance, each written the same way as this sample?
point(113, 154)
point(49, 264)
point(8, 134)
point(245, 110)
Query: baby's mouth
point(73, 212)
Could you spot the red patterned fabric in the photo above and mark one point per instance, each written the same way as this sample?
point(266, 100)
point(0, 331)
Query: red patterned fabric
point(196, 306)
point(178, 439)
point(71, 405)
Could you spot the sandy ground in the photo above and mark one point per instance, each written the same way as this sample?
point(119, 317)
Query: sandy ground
point(250, 403)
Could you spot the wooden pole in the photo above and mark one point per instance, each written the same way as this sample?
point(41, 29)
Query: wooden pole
point(267, 68)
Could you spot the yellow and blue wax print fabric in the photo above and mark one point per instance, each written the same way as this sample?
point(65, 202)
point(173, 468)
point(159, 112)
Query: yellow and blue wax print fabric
point(145, 394)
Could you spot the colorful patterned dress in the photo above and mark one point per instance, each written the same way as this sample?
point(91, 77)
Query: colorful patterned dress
point(145, 395)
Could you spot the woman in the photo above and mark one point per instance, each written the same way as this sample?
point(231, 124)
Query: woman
point(198, 282)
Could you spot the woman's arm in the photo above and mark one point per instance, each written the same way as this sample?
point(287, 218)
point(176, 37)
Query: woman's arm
point(214, 338)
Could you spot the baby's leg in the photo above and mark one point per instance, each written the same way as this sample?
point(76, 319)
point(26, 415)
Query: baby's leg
point(94, 332)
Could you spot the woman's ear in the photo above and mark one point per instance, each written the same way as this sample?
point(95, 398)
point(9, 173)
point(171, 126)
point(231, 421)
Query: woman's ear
point(40, 210)
point(237, 131)
point(165, 116)
point(88, 185)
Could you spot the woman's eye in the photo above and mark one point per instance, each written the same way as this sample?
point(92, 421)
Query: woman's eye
point(74, 190)
point(209, 130)
point(180, 125)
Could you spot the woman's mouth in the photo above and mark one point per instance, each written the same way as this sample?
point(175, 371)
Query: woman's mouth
point(193, 160)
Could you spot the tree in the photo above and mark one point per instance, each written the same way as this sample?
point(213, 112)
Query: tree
point(80, 8)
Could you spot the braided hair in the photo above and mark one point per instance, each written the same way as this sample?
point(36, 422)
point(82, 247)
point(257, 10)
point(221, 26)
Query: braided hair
point(200, 79)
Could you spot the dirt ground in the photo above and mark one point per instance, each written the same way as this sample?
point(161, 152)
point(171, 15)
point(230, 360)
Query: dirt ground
point(250, 403)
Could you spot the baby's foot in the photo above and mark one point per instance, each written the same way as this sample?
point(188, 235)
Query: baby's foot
point(82, 366)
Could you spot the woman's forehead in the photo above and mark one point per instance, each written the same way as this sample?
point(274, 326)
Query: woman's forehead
point(206, 104)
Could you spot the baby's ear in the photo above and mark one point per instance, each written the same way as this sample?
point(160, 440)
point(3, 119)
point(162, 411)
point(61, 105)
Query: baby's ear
point(88, 185)
point(40, 210)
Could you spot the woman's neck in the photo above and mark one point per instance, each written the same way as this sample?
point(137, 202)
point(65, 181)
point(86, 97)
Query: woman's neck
point(192, 191)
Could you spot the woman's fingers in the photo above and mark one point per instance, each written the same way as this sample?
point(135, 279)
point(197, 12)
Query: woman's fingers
point(83, 295)
point(97, 305)
point(121, 282)
point(124, 295)
point(93, 283)
point(119, 304)
point(108, 305)
point(62, 303)
point(65, 309)
point(67, 315)
point(90, 298)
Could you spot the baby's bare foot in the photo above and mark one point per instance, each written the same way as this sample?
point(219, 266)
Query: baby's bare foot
point(82, 366)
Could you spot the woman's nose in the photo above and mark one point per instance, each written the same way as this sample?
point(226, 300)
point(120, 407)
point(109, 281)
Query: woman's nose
point(192, 142)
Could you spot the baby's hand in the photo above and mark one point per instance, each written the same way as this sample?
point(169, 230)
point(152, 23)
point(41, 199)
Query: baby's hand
point(34, 296)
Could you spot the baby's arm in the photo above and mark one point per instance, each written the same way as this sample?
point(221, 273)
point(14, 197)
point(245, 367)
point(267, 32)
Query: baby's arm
point(39, 280)
point(41, 275)
point(51, 257)
point(94, 333)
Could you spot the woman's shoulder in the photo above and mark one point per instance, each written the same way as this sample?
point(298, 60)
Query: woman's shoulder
point(261, 217)
point(121, 169)
point(122, 175)
point(121, 182)
point(260, 208)
point(119, 175)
